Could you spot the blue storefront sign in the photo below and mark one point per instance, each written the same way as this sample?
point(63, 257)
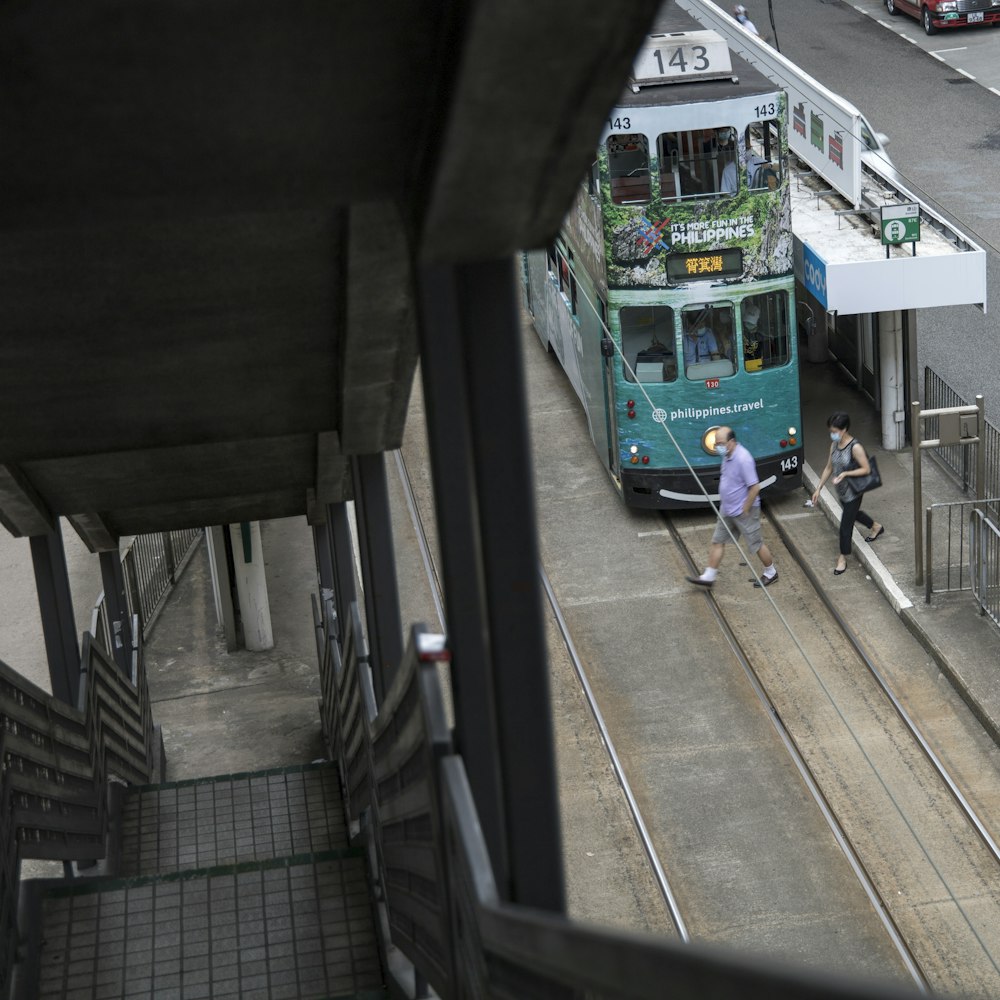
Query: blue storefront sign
point(814, 274)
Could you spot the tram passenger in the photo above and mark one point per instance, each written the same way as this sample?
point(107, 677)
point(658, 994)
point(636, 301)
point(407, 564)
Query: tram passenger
point(739, 511)
point(730, 178)
point(724, 334)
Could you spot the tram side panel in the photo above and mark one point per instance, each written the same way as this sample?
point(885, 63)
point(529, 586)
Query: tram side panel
point(566, 324)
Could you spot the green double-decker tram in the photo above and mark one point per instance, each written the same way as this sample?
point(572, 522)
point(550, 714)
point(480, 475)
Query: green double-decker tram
point(668, 296)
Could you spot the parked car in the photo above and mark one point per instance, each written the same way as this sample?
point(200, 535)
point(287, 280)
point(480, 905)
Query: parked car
point(934, 14)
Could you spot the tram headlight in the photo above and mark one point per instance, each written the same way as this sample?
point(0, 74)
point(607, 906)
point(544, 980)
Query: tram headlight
point(708, 440)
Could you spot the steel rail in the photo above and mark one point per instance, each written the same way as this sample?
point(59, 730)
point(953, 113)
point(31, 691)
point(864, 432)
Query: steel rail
point(840, 835)
point(935, 762)
point(616, 765)
point(647, 842)
point(418, 527)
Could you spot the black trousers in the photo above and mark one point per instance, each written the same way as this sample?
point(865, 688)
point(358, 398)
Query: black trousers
point(852, 513)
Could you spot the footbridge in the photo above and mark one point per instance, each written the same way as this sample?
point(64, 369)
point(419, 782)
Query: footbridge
point(228, 236)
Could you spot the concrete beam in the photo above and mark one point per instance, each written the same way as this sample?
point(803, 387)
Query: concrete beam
point(22, 511)
point(97, 534)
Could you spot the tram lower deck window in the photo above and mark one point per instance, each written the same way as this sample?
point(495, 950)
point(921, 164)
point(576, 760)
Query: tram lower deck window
point(709, 344)
point(764, 329)
point(648, 343)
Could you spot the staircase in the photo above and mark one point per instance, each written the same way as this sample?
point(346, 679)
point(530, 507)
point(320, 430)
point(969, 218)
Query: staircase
point(242, 885)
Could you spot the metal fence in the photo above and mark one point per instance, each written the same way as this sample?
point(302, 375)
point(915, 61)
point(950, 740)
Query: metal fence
point(985, 547)
point(958, 458)
point(151, 565)
point(961, 553)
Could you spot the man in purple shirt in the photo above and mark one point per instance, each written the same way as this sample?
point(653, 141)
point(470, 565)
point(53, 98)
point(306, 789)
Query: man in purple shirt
point(739, 509)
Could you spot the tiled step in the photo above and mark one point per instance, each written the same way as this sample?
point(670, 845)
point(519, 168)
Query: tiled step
point(228, 819)
point(295, 927)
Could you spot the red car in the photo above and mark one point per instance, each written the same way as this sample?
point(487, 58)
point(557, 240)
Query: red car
point(934, 14)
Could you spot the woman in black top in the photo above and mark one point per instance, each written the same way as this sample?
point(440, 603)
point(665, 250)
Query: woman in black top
point(847, 460)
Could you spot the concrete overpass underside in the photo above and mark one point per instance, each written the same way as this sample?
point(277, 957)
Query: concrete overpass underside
point(214, 222)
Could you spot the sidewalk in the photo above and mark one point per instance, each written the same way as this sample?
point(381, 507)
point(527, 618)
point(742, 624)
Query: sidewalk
point(225, 712)
point(964, 643)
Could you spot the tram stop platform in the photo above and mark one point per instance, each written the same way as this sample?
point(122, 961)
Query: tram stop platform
point(964, 643)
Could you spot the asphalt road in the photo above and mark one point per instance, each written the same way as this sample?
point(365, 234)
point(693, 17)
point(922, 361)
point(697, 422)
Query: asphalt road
point(944, 128)
point(972, 51)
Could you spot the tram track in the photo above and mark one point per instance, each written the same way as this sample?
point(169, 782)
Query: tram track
point(805, 772)
point(630, 676)
point(643, 833)
point(933, 882)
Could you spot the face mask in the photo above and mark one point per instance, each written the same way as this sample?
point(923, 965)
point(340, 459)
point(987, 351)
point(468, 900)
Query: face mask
point(834, 436)
point(720, 450)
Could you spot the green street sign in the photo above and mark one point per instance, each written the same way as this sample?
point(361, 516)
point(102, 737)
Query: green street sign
point(900, 224)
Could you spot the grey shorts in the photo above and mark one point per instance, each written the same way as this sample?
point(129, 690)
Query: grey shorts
point(747, 525)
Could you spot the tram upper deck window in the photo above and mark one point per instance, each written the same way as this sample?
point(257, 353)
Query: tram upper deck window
point(648, 343)
point(707, 335)
point(628, 169)
point(764, 326)
point(700, 163)
point(763, 155)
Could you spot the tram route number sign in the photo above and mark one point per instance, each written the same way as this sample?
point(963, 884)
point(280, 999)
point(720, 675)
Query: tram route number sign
point(900, 224)
point(693, 54)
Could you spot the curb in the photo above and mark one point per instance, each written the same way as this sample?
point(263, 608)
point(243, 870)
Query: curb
point(830, 506)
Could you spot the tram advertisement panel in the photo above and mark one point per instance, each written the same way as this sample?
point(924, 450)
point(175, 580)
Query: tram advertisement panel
point(669, 197)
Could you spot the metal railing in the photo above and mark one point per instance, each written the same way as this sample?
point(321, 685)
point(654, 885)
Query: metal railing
point(985, 546)
point(57, 760)
point(151, 565)
point(408, 801)
point(957, 457)
point(960, 552)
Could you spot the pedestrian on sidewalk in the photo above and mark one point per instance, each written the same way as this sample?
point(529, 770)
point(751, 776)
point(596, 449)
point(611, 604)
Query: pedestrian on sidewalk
point(739, 510)
point(848, 459)
point(741, 15)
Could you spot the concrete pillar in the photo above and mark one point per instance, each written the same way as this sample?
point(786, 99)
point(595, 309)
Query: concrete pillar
point(251, 585)
point(892, 378)
point(222, 589)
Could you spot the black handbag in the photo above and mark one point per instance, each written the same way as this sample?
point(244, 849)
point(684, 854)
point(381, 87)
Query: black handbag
point(856, 485)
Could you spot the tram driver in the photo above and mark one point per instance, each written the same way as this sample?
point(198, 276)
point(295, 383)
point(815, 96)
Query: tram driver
point(700, 342)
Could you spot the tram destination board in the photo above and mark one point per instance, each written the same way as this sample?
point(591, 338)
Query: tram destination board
point(705, 265)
